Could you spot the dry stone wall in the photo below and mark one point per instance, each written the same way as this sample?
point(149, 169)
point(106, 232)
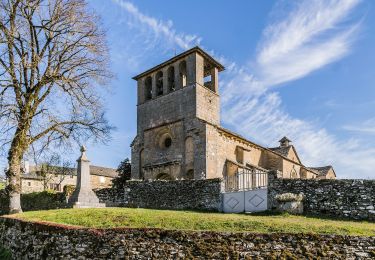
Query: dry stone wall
point(182, 194)
point(42, 241)
point(353, 199)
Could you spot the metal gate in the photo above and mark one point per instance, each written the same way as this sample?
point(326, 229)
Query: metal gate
point(246, 191)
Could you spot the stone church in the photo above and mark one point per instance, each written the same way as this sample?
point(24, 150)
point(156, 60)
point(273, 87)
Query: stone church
point(179, 135)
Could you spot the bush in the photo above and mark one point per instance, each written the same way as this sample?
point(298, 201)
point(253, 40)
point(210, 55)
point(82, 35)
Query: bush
point(124, 170)
point(43, 200)
point(35, 201)
point(3, 203)
point(68, 190)
point(5, 253)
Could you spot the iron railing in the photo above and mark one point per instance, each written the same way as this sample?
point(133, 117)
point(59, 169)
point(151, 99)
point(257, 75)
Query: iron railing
point(246, 179)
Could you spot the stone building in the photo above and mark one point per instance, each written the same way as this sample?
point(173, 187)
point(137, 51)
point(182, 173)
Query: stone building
point(33, 181)
point(179, 133)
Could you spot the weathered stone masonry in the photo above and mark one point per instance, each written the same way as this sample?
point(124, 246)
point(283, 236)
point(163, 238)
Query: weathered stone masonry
point(353, 199)
point(183, 194)
point(42, 241)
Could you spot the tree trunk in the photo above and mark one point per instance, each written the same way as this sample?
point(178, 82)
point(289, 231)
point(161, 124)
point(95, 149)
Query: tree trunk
point(14, 187)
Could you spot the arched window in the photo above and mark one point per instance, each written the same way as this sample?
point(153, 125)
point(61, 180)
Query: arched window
point(240, 154)
point(189, 150)
point(189, 157)
point(141, 164)
point(171, 83)
point(183, 74)
point(164, 176)
point(159, 83)
point(148, 88)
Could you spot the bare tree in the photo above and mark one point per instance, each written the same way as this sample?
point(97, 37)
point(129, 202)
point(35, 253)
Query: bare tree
point(53, 62)
point(54, 170)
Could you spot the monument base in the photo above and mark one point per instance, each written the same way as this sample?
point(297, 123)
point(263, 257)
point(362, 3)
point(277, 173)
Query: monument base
point(85, 198)
point(85, 205)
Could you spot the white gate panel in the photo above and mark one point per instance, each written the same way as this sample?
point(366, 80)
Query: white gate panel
point(256, 200)
point(245, 201)
point(233, 202)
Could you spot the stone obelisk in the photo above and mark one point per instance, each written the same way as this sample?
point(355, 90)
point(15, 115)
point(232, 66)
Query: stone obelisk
point(83, 196)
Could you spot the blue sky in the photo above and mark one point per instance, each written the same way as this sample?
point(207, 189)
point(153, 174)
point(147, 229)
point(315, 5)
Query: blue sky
point(304, 69)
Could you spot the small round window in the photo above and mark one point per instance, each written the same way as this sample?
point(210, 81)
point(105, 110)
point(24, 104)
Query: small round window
point(167, 142)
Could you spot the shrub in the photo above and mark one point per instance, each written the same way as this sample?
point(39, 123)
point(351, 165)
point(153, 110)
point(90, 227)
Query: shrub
point(42, 200)
point(68, 190)
point(5, 253)
point(124, 170)
point(3, 203)
point(35, 201)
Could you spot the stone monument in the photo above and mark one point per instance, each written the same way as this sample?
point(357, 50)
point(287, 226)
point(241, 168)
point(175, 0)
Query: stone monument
point(83, 196)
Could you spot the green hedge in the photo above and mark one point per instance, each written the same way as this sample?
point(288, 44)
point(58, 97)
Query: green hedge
point(3, 202)
point(42, 201)
point(5, 253)
point(35, 201)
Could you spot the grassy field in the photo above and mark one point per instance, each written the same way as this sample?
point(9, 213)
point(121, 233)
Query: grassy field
point(187, 220)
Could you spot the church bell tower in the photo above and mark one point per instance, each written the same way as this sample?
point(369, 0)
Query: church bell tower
point(176, 100)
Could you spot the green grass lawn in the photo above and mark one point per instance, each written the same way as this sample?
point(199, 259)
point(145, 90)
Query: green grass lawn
point(188, 220)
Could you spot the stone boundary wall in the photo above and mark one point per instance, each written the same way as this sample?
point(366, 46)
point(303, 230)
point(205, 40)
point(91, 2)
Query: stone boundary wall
point(177, 195)
point(28, 240)
point(354, 199)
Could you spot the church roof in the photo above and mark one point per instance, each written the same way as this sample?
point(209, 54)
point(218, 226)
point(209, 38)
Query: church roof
point(281, 150)
point(284, 139)
point(262, 147)
point(180, 56)
point(323, 171)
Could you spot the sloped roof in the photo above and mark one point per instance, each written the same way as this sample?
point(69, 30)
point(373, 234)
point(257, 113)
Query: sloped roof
point(323, 170)
point(284, 151)
point(103, 171)
point(284, 139)
point(94, 170)
point(31, 176)
point(281, 150)
point(181, 55)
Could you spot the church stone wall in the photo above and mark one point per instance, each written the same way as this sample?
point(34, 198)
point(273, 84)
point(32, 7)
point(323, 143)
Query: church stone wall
point(174, 106)
point(207, 105)
point(222, 147)
point(290, 169)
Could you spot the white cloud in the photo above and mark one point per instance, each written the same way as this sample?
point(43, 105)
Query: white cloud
point(366, 127)
point(160, 28)
point(311, 36)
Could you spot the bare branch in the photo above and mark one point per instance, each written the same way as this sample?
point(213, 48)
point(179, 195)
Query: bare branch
point(53, 59)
